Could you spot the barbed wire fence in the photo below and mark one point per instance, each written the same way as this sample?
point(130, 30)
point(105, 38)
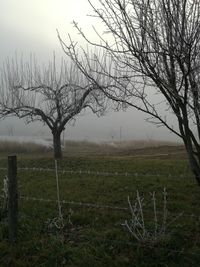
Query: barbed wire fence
point(83, 237)
point(80, 236)
point(96, 173)
point(105, 206)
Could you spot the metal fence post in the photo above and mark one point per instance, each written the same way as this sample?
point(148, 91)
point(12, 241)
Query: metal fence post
point(12, 199)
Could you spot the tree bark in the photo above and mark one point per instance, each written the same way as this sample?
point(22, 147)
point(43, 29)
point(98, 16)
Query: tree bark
point(57, 144)
point(194, 164)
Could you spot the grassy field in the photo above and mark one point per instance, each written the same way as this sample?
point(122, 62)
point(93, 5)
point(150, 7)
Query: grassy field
point(94, 235)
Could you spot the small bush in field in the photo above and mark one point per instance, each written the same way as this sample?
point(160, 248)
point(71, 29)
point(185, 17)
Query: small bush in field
point(149, 232)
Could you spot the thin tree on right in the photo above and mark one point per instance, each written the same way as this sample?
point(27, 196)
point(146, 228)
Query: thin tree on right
point(150, 54)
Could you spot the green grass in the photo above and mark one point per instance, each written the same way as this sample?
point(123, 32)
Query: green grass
point(96, 237)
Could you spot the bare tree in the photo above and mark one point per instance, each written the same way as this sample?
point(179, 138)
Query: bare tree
point(153, 50)
point(53, 95)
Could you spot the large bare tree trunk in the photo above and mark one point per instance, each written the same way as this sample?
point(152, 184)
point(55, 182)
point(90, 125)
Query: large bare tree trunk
point(195, 168)
point(57, 144)
point(194, 164)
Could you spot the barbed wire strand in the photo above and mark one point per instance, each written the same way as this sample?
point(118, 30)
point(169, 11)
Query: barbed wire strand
point(99, 206)
point(104, 173)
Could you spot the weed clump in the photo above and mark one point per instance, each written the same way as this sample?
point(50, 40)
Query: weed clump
point(145, 232)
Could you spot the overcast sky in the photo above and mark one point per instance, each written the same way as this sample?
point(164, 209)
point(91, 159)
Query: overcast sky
point(30, 26)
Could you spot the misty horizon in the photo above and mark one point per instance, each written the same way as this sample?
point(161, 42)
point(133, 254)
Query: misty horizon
point(33, 30)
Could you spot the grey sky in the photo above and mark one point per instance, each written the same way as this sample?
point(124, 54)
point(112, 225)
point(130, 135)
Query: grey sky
point(30, 26)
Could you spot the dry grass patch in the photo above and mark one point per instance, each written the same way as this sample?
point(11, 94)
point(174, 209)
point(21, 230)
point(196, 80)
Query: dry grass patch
point(22, 147)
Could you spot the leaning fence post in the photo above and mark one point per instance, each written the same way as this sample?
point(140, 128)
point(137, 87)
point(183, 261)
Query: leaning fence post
point(12, 198)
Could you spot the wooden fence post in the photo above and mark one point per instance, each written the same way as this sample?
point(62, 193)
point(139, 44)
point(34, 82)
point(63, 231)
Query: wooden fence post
point(12, 199)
